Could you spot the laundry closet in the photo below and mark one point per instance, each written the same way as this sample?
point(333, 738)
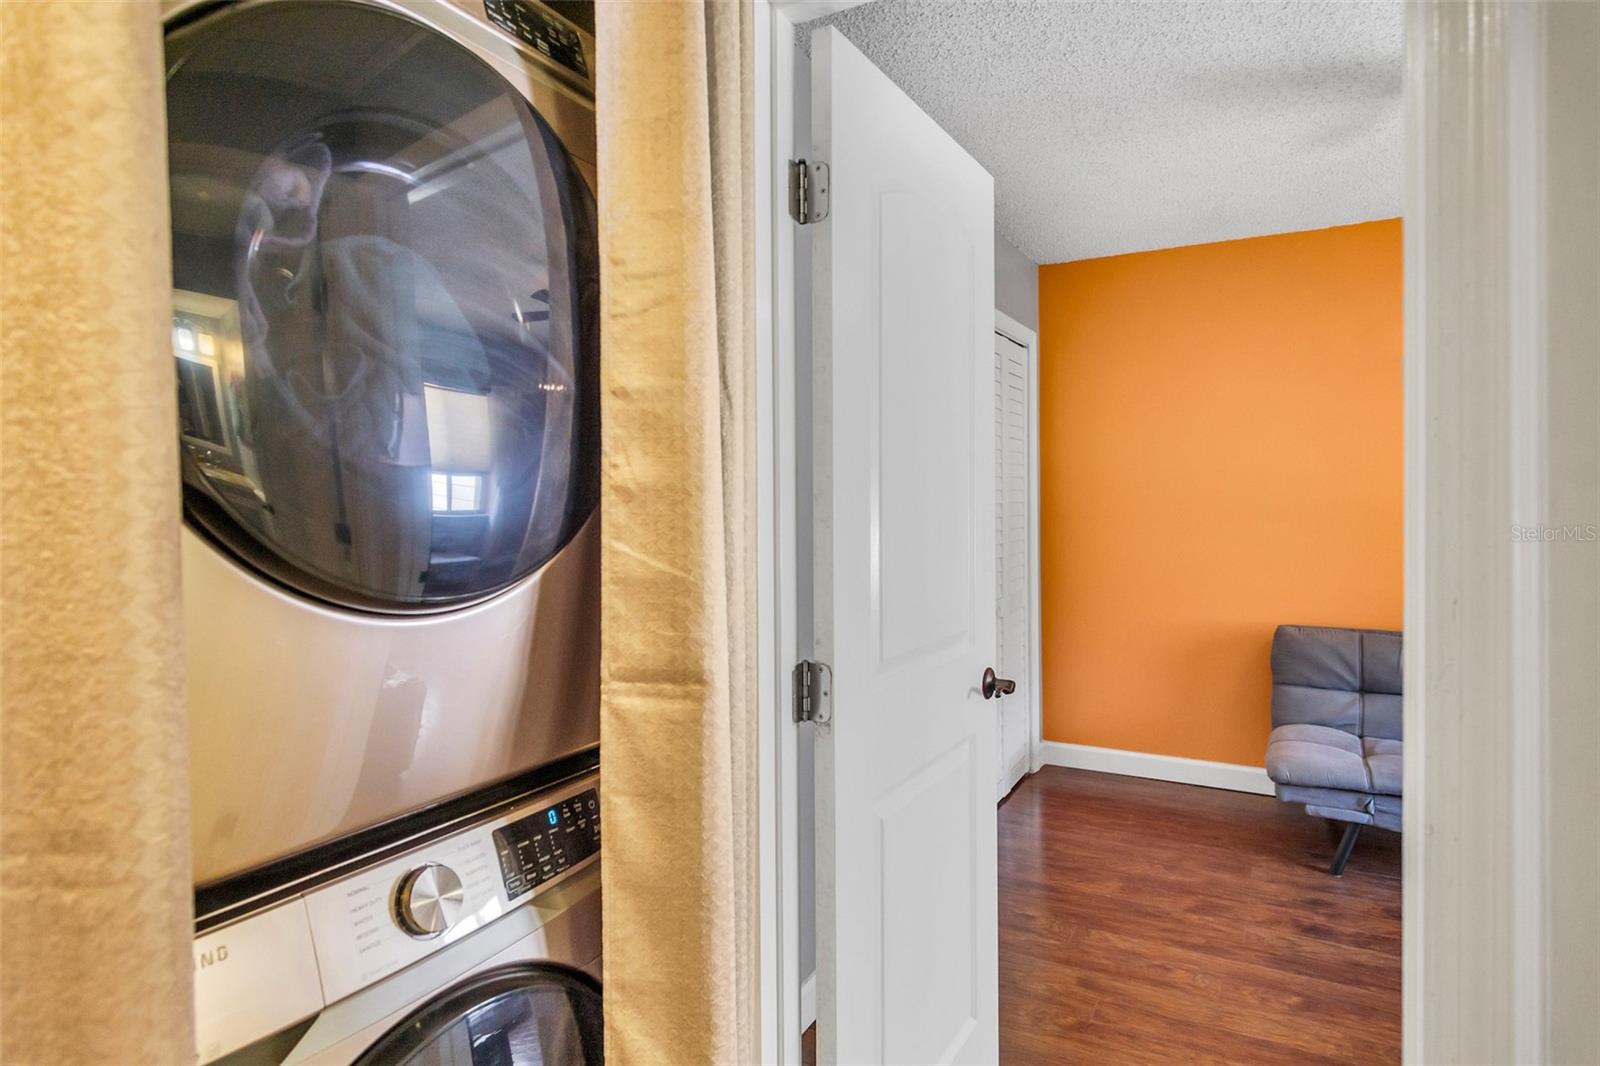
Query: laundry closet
point(385, 328)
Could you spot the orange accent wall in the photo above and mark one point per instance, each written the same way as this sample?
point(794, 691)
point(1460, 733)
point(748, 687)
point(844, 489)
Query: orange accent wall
point(1220, 451)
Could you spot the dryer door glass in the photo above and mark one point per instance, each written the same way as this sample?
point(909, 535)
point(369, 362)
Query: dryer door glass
point(386, 311)
point(520, 1015)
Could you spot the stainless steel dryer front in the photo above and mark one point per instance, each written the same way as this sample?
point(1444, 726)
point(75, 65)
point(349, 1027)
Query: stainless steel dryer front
point(385, 324)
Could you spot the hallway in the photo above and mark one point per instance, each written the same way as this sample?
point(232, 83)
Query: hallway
point(1145, 921)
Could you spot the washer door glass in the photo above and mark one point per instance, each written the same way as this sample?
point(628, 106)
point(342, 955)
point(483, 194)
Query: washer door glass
point(521, 1015)
point(386, 310)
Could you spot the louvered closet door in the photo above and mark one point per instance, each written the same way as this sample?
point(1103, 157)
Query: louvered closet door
point(1013, 554)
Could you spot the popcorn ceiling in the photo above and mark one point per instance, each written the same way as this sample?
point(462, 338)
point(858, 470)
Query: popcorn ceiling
point(1113, 126)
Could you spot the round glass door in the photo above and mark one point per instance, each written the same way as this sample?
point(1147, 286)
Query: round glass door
point(519, 1015)
point(385, 317)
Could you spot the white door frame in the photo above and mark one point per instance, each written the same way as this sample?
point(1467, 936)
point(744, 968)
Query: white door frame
point(1484, 978)
point(1013, 330)
point(1500, 925)
point(776, 534)
point(778, 640)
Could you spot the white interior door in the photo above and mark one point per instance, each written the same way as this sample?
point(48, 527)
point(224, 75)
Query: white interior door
point(1013, 557)
point(903, 488)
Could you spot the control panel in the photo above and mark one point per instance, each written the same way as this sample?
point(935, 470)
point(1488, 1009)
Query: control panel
point(338, 938)
point(541, 31)
point(544, 845)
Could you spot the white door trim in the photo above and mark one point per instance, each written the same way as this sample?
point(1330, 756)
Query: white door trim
point(1499, 929)
point(798, 11)
point(1013, 330)
point(776, 533)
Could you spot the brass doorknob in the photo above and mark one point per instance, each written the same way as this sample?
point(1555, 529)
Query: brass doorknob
point(995, 686)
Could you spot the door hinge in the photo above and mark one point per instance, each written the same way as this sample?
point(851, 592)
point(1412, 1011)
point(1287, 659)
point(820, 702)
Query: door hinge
point(813, 692)
point(808, 191)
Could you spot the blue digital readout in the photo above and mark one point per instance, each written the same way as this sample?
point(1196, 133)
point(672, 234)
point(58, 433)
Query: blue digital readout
point(543, 846)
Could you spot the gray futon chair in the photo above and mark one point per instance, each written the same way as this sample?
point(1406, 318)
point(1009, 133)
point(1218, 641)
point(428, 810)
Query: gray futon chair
point(1336, 744)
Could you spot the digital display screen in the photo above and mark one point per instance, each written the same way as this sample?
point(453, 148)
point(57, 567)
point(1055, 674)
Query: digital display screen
point(547, 843)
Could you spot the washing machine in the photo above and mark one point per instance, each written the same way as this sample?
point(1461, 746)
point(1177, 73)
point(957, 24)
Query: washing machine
point(476, 943)
point(386, 335)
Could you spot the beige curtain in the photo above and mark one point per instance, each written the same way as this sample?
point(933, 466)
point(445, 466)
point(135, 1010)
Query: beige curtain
point(678, 721)
point(95, 892)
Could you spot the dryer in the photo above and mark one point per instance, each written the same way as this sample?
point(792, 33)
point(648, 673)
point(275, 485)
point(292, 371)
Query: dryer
point(385, 328)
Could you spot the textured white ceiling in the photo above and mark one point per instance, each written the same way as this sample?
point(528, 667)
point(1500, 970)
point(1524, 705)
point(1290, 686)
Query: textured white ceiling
point(1116, 126)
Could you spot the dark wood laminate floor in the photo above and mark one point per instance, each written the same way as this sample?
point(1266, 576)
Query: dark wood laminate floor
point(1144, 921)
point(1148, 922)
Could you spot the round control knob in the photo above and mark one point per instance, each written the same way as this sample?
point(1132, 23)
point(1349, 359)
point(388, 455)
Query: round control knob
point(428, 900)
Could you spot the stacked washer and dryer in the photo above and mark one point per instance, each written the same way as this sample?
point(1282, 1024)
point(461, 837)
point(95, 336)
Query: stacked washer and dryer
point(386, 330)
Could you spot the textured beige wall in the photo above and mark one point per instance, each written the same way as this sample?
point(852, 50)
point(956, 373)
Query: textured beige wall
point(94, 837)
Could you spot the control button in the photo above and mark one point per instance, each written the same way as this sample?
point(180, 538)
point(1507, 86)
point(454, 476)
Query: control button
point(541, 32)
point(428, 900)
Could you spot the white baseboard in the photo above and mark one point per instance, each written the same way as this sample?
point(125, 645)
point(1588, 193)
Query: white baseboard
point(1231, 776)
point(808, 1002)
